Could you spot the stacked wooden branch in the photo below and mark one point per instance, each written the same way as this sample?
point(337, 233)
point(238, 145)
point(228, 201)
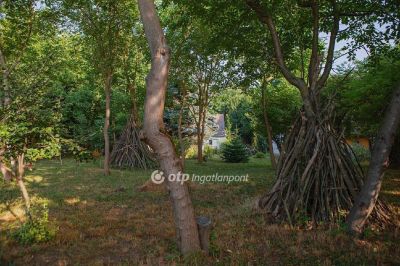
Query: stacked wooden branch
point(130, 152)
point(318, 178)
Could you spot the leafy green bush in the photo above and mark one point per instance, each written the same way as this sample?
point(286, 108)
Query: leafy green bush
point(191, 152)
point(362, 153)
point(209, 151)
point(37, 228)
point(234, 151)
point(186, 144)
point(259, 155)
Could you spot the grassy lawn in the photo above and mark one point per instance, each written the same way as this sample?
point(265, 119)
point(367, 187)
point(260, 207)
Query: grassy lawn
point(107, 220)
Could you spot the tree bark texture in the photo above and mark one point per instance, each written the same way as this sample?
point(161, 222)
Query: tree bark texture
point(180, 125)
point(20, 180)
point(200, 126)
point(7, 69)
point(154, 132)
point(367, 199)
point(394, 157)
point(107, 90)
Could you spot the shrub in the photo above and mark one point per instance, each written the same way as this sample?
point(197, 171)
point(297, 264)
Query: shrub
point(37, 228)
point(186, 144)
point(234, 151)
point(259, 155)
point(361, 152)
point(191, 152)
point(209, 151)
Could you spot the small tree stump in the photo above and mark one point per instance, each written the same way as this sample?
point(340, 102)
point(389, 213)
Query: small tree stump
point(204, 227)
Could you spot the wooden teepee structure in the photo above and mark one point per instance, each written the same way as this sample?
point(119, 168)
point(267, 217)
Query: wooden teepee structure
point(129, 151)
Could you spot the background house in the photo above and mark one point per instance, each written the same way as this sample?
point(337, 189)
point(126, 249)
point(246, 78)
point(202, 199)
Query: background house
point(215, 133)
point(363, 141)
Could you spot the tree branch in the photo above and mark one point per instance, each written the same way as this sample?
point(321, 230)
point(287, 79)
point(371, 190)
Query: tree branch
point(313, 67)
point(331, 48)
point(265, 18)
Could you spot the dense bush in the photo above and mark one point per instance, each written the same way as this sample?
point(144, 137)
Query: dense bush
point(209, 151)
point(191, 152)
point(37, 228)
point(234, 151)
point(363, 154)
point(186, 144)
point(259, 155)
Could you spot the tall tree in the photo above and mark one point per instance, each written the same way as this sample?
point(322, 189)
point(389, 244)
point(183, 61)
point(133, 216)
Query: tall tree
point(154, 133)
point(316, 157)
point(206, 69)
point(106, 24)
point(29, 49)
point(18, 20)
point(198, 66)
point(326, 162)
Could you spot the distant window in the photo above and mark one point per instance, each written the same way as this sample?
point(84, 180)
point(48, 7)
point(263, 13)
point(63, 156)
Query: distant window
point(210, 142)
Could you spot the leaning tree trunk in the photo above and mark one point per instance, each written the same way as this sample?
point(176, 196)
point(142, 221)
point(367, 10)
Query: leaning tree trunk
point(318, 177)
point(368, 197)
point(20, 180)
point(17, 172)
point(107, 90)
point(154, 132)
point(5, 171)
point(129, 151)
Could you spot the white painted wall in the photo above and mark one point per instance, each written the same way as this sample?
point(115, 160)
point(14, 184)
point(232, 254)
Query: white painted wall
point(215, 142)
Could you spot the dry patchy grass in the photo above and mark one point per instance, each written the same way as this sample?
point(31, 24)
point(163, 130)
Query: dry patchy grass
point(107, 221)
